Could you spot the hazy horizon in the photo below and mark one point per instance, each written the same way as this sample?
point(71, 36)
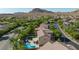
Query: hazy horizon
point(26, 10)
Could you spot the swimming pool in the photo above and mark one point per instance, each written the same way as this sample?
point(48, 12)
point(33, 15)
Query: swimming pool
point(30, 46)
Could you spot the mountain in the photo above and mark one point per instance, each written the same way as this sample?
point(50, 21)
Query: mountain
point(76, 11)
point(19, 13)
point(38, 10)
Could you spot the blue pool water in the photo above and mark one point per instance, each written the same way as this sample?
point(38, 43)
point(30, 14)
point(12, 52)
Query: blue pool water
point(29, 46)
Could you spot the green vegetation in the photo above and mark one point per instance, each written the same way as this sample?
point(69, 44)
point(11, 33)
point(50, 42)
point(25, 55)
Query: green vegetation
point(60, 22)
point(71, 28)
point(10, 26)
point(28, 30)
point(21, 35)
point(54, 30)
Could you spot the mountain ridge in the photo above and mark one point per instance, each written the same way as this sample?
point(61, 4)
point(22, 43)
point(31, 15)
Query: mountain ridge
point(38, 10)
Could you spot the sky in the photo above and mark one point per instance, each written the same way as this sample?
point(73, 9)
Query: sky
point(13, 10)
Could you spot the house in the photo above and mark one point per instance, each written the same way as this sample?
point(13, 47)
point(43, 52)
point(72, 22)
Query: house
point(43, 34)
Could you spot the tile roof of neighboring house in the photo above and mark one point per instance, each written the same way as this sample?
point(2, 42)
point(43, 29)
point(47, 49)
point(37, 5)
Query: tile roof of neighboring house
point(35, 39)
point(53, 46)
point(42, 27)
point(40, 33)
point(47, 31)
point(40, 30)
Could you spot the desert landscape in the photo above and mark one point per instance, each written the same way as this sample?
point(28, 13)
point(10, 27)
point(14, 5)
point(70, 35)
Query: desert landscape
point(39, 29)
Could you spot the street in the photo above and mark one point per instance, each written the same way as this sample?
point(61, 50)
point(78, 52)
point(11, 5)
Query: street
point(5, 44)
point(5, 40)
